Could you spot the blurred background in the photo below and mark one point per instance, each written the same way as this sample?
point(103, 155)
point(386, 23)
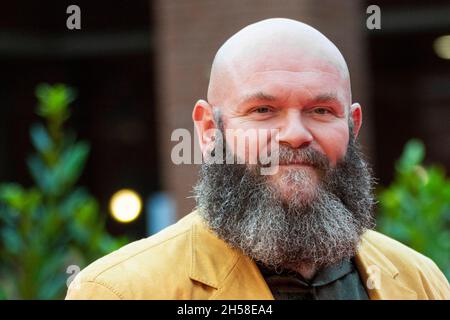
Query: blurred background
point(133, 73)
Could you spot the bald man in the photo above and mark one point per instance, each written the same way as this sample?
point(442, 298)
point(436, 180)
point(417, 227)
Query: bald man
point(303, 232)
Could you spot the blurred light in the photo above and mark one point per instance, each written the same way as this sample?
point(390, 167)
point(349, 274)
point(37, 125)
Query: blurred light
point(125, 205)
point(442, 47)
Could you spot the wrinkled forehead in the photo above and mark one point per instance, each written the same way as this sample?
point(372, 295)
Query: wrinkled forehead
point(278, 69)
point(273, 51)
point(248, 64)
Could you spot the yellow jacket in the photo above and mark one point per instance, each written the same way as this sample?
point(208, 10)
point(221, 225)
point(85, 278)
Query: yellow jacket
point(187, 261)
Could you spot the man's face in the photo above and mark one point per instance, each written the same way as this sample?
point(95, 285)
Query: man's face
point(284, 76)
point(306, 101)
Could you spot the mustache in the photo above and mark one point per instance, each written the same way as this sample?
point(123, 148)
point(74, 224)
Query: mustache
point(305, 155)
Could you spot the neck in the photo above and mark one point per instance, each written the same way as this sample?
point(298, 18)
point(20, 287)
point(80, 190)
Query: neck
point(307, 271)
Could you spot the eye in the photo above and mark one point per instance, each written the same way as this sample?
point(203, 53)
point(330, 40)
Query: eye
point(322, 111)
point(262, 109)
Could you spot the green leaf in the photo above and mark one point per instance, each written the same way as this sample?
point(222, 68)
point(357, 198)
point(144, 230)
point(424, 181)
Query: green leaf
point(413, 154)
point(72, 163)
point(41, 174)
point(85, 221)
point(53, 288)
point(12, 240)
point(40, 138)
point(54, 100)
point(72, 202)
point(13, 195)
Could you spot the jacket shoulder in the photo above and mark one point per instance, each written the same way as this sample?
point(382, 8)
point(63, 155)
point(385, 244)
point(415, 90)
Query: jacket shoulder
point(149, 268)
point(392, 248)
point(412, 266)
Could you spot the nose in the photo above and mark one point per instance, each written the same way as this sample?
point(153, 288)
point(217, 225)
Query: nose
point(293, 132)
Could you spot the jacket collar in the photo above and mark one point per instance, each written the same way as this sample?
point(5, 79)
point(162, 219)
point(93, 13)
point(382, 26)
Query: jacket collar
point(216, 264)
point(235, 276)
point(380, 276)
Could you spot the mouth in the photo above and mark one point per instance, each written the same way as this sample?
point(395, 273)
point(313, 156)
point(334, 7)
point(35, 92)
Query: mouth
point(296, 164)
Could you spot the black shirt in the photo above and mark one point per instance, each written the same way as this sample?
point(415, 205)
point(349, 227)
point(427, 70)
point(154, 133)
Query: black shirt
point(337, 282)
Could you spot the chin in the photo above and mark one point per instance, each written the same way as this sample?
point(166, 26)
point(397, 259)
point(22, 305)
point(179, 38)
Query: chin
point(296, 197)
point(303, 191)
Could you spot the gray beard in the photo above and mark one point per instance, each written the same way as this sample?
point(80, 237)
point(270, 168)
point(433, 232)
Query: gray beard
point(246, 211)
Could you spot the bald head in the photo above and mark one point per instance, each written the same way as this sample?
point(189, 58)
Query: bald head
point(272, 44)
point(285, 75)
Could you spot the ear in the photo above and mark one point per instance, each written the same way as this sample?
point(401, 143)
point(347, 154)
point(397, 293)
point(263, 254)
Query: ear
point(356, 114)
point(204, 123)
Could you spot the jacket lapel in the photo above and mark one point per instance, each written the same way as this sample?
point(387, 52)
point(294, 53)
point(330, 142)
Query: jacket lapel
point(216, 264)
point(379, 275)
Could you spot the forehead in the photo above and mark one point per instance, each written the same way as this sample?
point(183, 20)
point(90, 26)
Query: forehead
point(303, 78)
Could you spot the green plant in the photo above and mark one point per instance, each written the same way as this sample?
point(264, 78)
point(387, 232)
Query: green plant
point(415, 208)
point(53, 224)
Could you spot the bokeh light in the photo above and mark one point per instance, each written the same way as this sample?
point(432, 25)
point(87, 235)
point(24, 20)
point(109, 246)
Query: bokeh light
point(442, 47)
point(125, 205)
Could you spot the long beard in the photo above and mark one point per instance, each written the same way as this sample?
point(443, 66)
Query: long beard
point(246, 210)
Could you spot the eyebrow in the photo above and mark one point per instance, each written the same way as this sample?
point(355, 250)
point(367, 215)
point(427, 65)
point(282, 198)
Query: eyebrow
point(261, 96)
point(258, 96)
point(325, 97)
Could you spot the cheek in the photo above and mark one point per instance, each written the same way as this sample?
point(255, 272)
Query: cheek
point(333, 141)
point(246, 141)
